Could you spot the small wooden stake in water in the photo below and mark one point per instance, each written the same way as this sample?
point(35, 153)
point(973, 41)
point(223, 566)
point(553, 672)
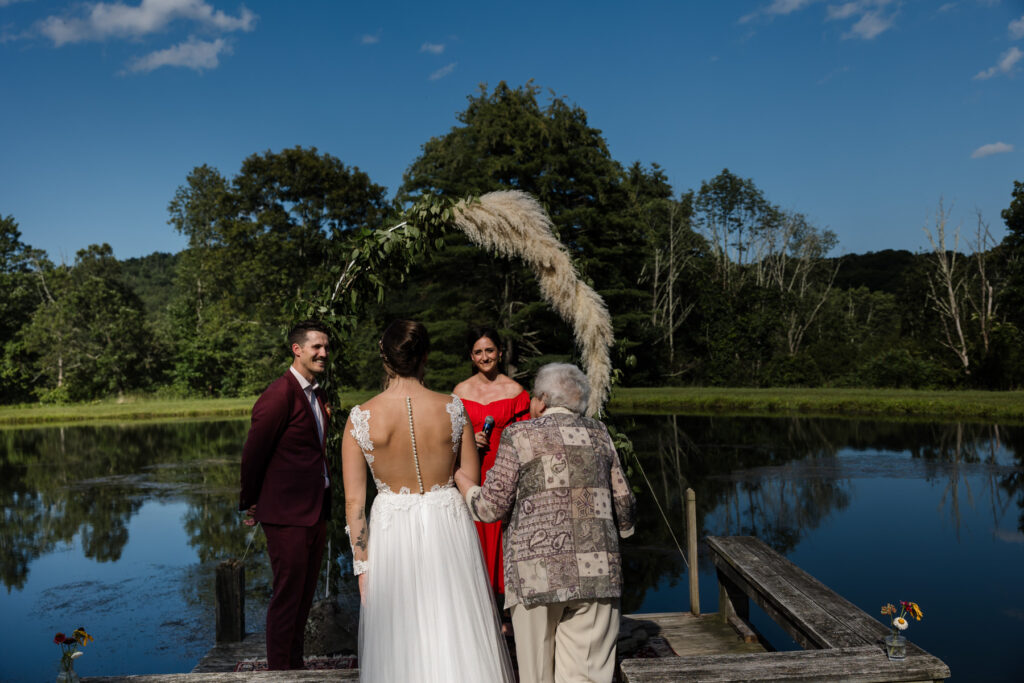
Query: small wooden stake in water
point(691, 549)
point(230, 601)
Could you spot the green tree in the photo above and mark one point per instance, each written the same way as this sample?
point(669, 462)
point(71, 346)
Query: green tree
point(257, 245)
point(508, 139)
point(20, 298)
point(1012, 254)
point(736, 220)
point(89, 336)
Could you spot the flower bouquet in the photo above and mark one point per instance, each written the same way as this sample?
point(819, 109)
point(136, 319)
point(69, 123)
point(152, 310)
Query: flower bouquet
point(69, 652)
point(896, 644)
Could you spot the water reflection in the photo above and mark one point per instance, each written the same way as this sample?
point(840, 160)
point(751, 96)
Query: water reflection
point(768, 477)
point(779, 479)
point(90, 481)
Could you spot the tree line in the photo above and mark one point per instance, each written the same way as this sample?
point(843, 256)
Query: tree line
point(715, 285)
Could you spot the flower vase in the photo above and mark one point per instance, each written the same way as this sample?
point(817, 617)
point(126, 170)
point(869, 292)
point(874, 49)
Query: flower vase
point(68, 675)
point(896, 647)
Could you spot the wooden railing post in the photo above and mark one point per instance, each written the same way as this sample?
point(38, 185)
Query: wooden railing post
point(691, 550)
point(229, 598)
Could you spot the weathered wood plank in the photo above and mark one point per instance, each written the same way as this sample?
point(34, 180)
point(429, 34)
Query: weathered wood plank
point(812, 613)
point(229, 602)
point(688, 634)
point(232, 677)
point(835, 604)
point(790, 609)
point(865, 664)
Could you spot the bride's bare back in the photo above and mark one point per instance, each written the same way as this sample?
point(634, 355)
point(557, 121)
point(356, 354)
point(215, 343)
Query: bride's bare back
point(441, 435)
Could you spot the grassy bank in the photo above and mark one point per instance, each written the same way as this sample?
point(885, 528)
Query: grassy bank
point(1001, 406)
point(138, 409)
point(883, 403)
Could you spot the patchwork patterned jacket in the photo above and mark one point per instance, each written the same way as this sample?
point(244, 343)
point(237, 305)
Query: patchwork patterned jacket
point(560, 477)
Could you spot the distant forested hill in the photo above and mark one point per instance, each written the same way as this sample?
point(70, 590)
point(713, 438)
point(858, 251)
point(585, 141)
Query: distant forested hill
point(152, 279)
point(879, 271)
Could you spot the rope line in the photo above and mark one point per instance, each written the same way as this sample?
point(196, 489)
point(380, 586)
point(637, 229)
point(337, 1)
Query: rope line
point(654, 495)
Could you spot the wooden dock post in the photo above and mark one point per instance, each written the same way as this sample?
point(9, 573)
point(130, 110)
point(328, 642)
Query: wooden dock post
point(229, 599)
point(691, 550)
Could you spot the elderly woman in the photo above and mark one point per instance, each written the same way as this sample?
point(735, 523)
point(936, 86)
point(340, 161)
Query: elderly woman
point(560, 477)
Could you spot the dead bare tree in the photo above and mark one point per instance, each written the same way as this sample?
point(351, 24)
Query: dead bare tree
point(947, 289)
point(981, 295)
point(790, 255)
point(668, 223)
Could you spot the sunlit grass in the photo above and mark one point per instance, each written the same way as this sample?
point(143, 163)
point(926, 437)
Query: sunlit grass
point(894, 403)
point(138, 409)
point(1002, 406)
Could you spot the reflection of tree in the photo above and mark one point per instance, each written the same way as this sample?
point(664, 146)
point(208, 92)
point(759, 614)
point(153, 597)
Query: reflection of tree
point(60, 482)
point(56, 483)
point(711, 454)
point(952, 451)
point(1013, 482)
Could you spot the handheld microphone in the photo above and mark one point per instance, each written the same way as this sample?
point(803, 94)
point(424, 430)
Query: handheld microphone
point(488, 425)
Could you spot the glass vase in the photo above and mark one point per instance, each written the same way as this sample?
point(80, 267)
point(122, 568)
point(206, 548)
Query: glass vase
point(896, 646)
point(68, 675)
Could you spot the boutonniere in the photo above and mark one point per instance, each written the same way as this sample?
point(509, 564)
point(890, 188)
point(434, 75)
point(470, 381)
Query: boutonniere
point(327, 409)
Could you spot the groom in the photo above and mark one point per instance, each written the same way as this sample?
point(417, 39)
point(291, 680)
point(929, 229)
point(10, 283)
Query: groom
point(286, 488)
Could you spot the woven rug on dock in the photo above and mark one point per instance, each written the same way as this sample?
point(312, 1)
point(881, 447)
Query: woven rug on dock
point(311, 663)
point(655, 646)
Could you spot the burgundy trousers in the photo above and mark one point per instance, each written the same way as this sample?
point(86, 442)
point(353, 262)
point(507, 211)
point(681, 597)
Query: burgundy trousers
point(295, 555)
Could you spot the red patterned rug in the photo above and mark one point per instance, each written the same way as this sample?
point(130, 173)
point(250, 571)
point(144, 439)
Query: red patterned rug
point(655, 646)
point(311, 663)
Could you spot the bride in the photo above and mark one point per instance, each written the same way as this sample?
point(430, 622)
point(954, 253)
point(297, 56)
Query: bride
point(427, 611)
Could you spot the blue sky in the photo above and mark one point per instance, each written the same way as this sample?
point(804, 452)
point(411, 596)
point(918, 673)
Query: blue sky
point(861, 114)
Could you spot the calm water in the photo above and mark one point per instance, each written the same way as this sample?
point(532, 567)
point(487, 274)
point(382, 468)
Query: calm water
point(118, 529)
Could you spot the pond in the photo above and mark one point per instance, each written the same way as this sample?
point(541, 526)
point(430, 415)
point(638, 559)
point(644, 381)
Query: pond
point(119, 528)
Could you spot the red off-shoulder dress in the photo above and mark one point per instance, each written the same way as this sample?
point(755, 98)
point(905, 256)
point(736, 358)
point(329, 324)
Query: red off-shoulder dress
point(504, 411)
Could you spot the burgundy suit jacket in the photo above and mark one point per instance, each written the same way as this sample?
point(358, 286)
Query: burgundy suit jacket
point(283, 459)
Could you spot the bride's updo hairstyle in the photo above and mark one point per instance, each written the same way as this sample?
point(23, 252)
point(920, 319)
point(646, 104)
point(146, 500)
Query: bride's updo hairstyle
point(404, 346)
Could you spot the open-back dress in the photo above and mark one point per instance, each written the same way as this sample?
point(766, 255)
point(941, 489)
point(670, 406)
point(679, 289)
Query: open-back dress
point(429, 613)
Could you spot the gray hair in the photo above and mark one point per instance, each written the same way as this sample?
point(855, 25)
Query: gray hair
point(562, 385)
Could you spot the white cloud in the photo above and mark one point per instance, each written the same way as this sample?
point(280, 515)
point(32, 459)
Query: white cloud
point(1004, 66)
point(432, 48)
point(370, 39)
point(118, 20)
point(867, 15)
point(989, 150)
point(1017, 28)
point(443, 71)
point(778, 8)
point(192, 54)
point(844, 11)
point(870, 25)
point(946, 8)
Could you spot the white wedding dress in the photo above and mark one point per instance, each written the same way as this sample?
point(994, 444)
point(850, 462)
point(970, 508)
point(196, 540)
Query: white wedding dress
point(429, 613)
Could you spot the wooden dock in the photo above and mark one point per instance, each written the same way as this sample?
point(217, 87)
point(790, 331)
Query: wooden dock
point(842, 642)
point(684, 633)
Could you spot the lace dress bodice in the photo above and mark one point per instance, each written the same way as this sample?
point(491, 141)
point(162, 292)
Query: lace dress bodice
point(361, 432)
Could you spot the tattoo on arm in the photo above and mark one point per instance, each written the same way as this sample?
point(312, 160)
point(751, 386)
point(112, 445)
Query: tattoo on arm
point(361, 539)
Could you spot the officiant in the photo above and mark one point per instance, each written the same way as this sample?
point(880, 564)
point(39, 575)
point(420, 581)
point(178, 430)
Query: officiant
point(559, 478)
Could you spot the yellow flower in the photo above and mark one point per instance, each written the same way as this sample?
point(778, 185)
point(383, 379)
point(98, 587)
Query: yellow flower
point(81, 636)
point(916, 611)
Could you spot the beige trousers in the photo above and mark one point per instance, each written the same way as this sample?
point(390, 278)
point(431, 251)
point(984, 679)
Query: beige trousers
point(567, 642)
